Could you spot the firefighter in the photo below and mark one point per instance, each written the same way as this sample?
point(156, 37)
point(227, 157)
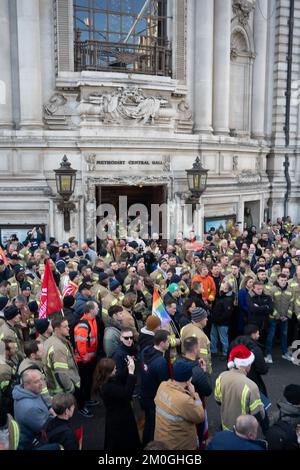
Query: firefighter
point(60, 365)
point(235, 392)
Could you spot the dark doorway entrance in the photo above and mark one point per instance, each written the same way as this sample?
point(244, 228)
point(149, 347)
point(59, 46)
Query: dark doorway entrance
point(146, 195)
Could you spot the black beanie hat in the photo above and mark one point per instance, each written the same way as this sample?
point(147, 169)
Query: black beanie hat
point(41, 325)
point(68, 301)
point(11, 312)
point(292, 394)
point(72, 275)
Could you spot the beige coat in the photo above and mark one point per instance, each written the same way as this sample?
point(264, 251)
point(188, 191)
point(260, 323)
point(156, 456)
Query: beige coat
point(237, 395)
point(177, 413)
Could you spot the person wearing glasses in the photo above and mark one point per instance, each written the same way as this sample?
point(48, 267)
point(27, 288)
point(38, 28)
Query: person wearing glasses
point(125, 349)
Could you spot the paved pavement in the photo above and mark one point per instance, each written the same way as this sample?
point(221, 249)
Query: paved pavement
point(280, 374)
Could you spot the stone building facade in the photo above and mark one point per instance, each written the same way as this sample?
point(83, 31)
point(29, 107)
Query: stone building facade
point(221, 95)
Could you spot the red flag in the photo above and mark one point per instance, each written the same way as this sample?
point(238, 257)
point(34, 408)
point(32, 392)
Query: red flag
point(69, 289)
point(3, 257)
point(50, 299)
point(79, 436)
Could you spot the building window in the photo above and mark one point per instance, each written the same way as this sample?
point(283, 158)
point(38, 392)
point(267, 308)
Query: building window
point(122, 36)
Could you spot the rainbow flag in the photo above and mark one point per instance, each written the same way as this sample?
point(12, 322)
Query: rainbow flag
point(159, 310)
point(3, 257)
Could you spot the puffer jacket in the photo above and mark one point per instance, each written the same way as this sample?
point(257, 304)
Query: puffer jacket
point(289, 413)
point(177, 413)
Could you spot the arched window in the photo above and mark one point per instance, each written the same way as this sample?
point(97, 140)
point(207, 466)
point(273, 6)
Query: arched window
point(240, 82)
point(122, 35)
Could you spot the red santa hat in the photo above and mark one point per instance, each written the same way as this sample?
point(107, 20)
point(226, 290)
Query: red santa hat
point(240, 356)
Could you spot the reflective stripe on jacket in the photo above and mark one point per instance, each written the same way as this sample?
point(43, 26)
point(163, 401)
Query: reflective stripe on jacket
point(86, 339)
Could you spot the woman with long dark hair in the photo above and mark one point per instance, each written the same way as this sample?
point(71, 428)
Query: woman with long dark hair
point(121, 431)
point(185, 317)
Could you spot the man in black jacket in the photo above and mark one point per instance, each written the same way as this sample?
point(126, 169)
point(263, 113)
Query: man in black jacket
point(200, 378)
point(260, 306)
point(196, 295)
point(258, 367)
point(154, 370)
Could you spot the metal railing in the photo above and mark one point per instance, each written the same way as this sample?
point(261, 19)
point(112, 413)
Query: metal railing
point(120, 57)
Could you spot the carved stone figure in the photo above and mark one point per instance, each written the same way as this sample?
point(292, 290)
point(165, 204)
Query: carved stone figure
point(91, 161)
point(242, 9)
point(54, 103)
point(184, 111)
point(235, 160)
point(123, 104)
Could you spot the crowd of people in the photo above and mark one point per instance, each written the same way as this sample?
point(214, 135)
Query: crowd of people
point(230, 295)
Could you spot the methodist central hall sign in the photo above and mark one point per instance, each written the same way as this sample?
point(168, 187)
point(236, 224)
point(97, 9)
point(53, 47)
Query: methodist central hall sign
point(130, 162)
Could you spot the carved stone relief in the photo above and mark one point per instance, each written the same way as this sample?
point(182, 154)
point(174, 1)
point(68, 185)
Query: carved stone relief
point(242, 9)
point(125, 104)
point(248, 177)
point(90, 159)
point(184, 117)
point(235, 161)
point(60, 112)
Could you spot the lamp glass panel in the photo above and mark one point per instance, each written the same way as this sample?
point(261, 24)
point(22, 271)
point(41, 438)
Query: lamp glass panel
point(65, 183)
point(197, 182)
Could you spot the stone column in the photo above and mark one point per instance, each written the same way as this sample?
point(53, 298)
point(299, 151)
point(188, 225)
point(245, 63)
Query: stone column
point(259, 68)
point(221, 81)
point(203, 64)
point(5, 67)
point(29, 63)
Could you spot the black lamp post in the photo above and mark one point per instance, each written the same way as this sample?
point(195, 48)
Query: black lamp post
point(197, 182)
point(65, 177)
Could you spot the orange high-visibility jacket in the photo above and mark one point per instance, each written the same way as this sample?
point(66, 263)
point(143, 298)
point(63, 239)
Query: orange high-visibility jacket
point(86, 339)
point(209, 287)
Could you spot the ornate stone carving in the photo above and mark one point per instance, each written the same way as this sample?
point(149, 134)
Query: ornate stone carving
point(129, 180)
point(91, 161)
point(56, 101)
point(125, 104)
point(166, 163)
point(90, 211)
point(60, 112)
point(184, 111)
point(242, 9)
point(184, 117)
point(235, 161)
point(248, 177)
point(257, 163)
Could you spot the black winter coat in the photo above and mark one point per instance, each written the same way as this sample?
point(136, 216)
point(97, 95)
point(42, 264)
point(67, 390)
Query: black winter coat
point(197, 299)
point(120, 358)
point(259, 308)
point(223, 310)
point(59, 432)
point(121, 431)
point(258, 367)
